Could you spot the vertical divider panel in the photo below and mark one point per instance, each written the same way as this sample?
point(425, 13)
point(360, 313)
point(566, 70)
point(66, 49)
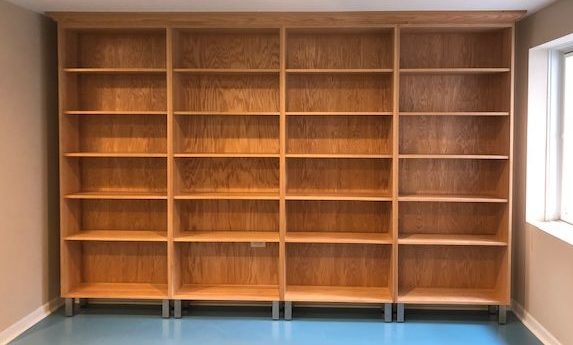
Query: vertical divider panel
point(172, 271)
point(507, 290)
point(282, 166)
point(395, 162)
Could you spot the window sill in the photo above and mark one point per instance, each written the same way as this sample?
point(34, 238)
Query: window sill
point(558, 229)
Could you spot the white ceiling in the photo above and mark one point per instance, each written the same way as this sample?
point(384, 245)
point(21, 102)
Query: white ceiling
point(279, 5)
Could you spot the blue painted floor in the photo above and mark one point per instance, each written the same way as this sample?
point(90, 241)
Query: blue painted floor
point(110, 325)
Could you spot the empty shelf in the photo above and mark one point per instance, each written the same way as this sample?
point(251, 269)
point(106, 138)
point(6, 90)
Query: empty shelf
point(338, 237)
point(119, 235)
point(450, 239)
point(228, 292)
point(119, 290)
point(228, 236)
point(338, 294)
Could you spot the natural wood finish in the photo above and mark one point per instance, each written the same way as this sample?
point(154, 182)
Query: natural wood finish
point(119, 291)
point(228, 264)
point(461, 177)
point(451, 296)
point(344, 265)
point(353, 294)
point(212, 175)
point(227, 236)
point(227, 215)
point(454, 92)
point(251, 293)
point(123, 48)
point(312, 157)
point(334, 49)
point(220, 48)
point(454, 135)
point(365, 19)
point(455, 48)
point(462, 268)
point(119, 175)
point(453, 240)
point(338, 237)
point(225, 134)
point(338, 92)
point(116, 92)
point(228, 92)
point(119, 235)
point(339, 135)
point(339, 176)
point(453, 219)
point(116, 134)
point(339, 216)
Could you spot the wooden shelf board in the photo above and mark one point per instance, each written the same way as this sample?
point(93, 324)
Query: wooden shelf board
point(226, 155)
point(116, 70)
point(451, 198)
point(228, 196)
point(450, 296)
point(335, 294)
point(338, 155)
point(453, 70)
point(455, 113)
point(337, 196)
point(227, 113)
point(450, 239)
point(119, 290)
point(338, 70)
point(116, 154)
point(119, 235)
point(226, 70)
point(338, 237)
point(227, 236)
point(454, 156)
point(117, 195)
point(339, 113)
point(261, 293)
point(113, 112)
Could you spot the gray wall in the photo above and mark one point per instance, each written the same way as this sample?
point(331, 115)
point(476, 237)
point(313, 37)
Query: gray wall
point(29, 163)
point(542, 264)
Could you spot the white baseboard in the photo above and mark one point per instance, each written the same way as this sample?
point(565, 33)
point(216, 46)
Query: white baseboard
point(533, 325)
point(29, 320)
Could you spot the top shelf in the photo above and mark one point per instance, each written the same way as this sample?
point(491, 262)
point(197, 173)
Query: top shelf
point(474, 70)
point(116, 70)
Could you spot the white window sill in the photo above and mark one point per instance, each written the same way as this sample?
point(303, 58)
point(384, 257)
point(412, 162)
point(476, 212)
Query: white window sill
point(558, 229)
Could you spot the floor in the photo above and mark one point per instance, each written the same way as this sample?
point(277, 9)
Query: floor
point(109, 325)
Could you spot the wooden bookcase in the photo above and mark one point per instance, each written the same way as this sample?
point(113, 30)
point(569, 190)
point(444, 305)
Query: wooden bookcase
point(337, 158)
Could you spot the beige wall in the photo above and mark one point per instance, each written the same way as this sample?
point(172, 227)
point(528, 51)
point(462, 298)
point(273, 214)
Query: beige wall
point(543, 264)
point(28, 163)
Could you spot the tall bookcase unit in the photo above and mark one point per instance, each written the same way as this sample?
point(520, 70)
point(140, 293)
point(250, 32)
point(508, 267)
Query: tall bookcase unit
point(310, 157)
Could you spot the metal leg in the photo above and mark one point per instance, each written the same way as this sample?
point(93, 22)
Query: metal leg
point(69, 307)
point(177, 309)
point(288, 311)
point(400, 312)
point(492, 309)
point(388, 312)
point(275, 312)
point(502, 314)
point(165, 312)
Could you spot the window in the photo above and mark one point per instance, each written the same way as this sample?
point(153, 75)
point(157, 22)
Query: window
point(566, 192)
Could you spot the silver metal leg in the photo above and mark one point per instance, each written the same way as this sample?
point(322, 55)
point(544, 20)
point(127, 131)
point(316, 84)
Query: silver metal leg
point(400, 312)
point(276, 312)
point(165, 312)
point(288, 311)
point(502, 314)
point(69, 307)
point(388, 312)
point(177, 308)
point(492, 309)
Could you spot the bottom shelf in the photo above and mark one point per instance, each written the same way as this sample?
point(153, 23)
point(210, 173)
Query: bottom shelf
point(450, 296)
point(335, 294)
point(119, 290)
point(260, 293)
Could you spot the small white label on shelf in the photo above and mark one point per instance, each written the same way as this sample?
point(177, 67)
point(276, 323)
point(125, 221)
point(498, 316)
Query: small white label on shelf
point(258, 244)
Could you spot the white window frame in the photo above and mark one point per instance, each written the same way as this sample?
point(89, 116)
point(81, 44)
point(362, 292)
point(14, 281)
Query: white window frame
point(554, 135)
point(567, 55)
